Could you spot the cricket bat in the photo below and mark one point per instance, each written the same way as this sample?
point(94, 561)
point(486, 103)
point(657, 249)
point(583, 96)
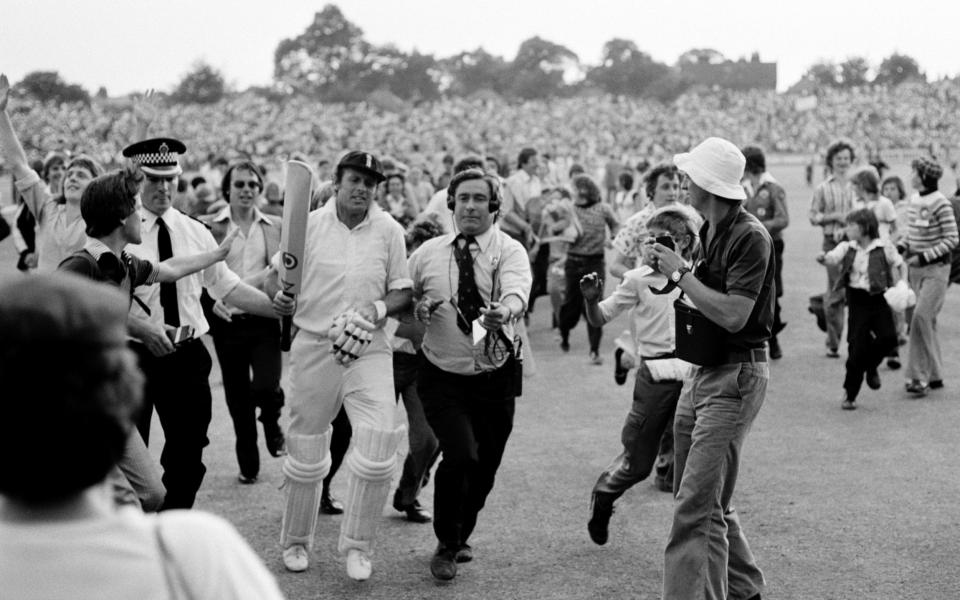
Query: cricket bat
point(296, 206)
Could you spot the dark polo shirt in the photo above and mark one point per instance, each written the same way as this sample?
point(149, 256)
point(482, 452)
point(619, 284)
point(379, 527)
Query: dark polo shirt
point(740, 261)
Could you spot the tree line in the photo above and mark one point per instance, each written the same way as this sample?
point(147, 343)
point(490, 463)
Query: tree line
point(332, 61)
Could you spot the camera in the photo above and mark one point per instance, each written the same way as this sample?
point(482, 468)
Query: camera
point(665, 240)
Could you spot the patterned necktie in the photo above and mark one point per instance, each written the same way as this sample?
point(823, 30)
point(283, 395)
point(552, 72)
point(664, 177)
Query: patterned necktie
point(469, 300)
point(168, 291)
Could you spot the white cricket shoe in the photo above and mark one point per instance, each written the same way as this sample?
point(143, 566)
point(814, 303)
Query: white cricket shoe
point(358, 565)
point(295, 558)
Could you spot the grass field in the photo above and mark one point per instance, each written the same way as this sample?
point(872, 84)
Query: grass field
point(837, 505)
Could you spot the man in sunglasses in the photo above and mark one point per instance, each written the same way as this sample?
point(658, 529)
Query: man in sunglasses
point(247, 342)
point(707, 555)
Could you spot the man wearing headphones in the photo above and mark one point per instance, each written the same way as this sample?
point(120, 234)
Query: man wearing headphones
point(472, 287)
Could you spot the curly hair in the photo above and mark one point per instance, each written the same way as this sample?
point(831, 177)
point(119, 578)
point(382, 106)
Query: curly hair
point(588, 188)
point(836, 148)
point(650, 182)
point(109, 199)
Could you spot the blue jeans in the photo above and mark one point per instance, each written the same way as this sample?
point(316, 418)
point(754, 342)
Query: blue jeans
point(707, 555)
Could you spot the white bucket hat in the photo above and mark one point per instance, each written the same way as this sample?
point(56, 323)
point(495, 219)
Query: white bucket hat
point(715, 165)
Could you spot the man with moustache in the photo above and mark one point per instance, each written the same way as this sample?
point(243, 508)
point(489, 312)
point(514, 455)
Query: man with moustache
point(178, 374)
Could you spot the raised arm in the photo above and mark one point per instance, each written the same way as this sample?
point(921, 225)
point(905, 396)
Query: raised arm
point(145, 110)
point(9, 143)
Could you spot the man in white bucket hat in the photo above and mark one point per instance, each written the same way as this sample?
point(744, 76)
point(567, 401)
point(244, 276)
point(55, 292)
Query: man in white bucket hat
point(725, 336)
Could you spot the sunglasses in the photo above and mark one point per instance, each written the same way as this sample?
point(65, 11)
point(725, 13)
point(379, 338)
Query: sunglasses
point(239, 185)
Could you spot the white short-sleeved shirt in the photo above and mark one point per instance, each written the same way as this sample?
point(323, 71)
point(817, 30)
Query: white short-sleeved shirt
point(57, 235)
point(346, 268)
point(652, 315)
point(435, 275)
point(117, 557)
point(187, 237)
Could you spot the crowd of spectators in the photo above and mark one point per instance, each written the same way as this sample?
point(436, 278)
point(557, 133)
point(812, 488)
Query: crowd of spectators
point(586, 129)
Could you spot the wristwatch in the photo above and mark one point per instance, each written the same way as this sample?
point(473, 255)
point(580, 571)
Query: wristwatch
point(677, 275)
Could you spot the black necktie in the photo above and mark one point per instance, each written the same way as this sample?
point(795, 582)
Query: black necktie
point(468, 296)
point(168, 291)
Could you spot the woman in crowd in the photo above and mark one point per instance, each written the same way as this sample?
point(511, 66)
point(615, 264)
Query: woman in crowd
point(585, 256)
point(396, 202)
point(61, 536)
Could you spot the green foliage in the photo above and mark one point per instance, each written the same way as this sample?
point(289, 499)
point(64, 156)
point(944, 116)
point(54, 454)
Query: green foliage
point(626, 70)
point(898, 68)
point(202, 85)
point(48, 86)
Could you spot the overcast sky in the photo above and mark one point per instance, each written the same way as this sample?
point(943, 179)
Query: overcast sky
point(130, 45)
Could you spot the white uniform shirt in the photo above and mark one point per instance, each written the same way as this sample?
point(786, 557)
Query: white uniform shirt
point(435, 275)
point(187, 237)
point(346, 268)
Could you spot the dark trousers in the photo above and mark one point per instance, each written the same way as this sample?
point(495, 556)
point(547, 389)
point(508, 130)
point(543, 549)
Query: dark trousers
point(571, 310)
point(424, 447)
point(472, 417)
point(250, 343)
point(339, 443)
point(538, 268)
point(871, 335)
point(778, 281)
point(646, 434)
point(178, 387)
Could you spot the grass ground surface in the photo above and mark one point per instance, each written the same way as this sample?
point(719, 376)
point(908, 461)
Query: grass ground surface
point(836, 504)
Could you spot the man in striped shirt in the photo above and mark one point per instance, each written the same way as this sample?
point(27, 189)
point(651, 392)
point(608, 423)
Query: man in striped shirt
point(832, 200)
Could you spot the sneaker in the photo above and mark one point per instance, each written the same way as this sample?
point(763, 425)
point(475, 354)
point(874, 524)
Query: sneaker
point(619, 373)
point(917, 388)
point(601, 510)
point(936, 384)
point(359, 567)
point(873, 380)
point(443, 565)
point(595, 358)
point(847, 403)
point(295, 558)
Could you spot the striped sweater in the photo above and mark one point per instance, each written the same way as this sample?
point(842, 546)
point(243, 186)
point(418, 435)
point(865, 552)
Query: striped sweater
point(932, 228)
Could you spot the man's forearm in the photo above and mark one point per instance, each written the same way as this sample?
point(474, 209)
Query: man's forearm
point(177, 267)
point(398, 301)
point(249, 299)
point(729, 311)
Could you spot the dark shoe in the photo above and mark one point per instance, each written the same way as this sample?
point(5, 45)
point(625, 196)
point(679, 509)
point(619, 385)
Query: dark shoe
point(873, 380)
point(832, 353)
point(276, 444)
point(847, 403)
point(414, 511)
point(619, 373)
point(779, 327)
point(246, 480)
point(600, 511)
point(565, 345)
point(936, 384)
point(816, 309)
point(330, 505)
point(443, 565)
point(893, 363)
point(917, 388)
point(464, 554)
point(775, 352)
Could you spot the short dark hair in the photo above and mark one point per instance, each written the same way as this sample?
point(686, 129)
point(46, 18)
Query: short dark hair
point(524, 157)
point(243, 165)
point(586, 184)
point(895, 180)
point(471, 174)
point(395, 175)
point(756, 161)
point(650, 183)
point(867, 221)
point(575, 169)
point(490, 158)
point(54, 159)
point(836, 148)
point(626, 180)
point(468, 162)
point(109, 199)
point(867, 179)
point(197, 181)
point(89, 402)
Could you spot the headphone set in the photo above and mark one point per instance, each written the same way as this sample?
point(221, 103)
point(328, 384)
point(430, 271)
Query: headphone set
point(475, 175)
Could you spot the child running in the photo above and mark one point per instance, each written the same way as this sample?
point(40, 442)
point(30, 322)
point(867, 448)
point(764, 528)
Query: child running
point(659, 376)
point(869, 266)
